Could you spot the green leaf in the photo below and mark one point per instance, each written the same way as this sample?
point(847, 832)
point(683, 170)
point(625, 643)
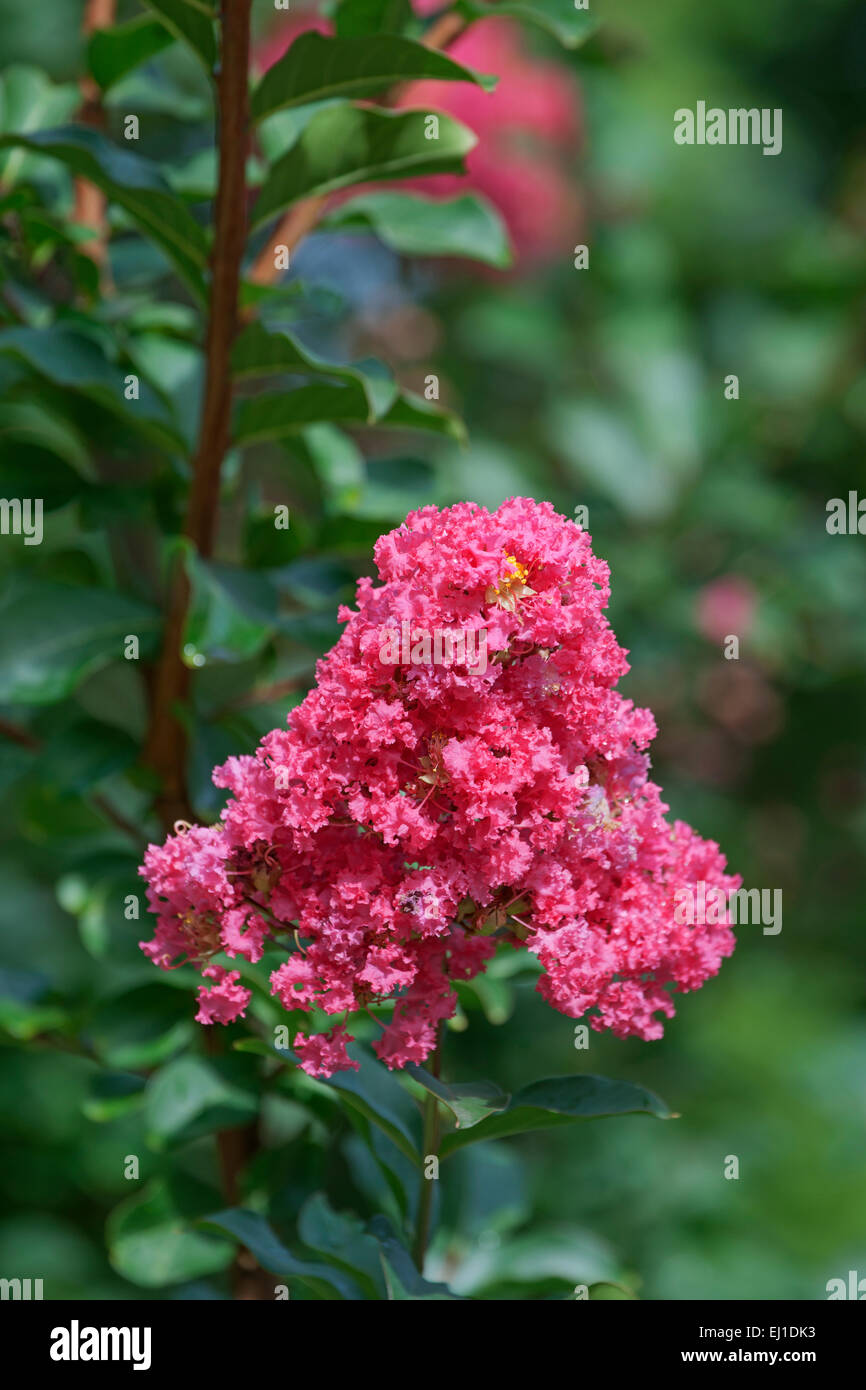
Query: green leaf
point(377, 1095)
point(53, 635)
point(544, 1256)
point(561, 18)
point(30, 101)
point(260, 352)
point(135, 184)
point(494, 997)
point(560, 1100)
point(269, 417)
point(23, 1021)
point(253, 1231)
point(233, 612)
point(411, 412)
point(82, 752)
point(112, 1094)
point(346, 144)
point(198, 1095)
point(403, 1281)
point(371, 1090)
point(413, 225)
point(356, 18)
point(186, 21)
point(31, 423)
point(341, 1240)
point(74, 361)
point(470, 1102)
point(141, 1027)
point(152, 1239)
point(280, 415)
point(112, 53)
point(317, 68)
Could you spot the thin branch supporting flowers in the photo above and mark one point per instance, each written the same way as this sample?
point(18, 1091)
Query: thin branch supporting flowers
point(429, 1149)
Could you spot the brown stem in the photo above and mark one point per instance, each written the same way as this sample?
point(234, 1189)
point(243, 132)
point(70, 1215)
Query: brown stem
point(166, 744)
point(235, 1147)
point(17, 734)
point(430, 1147)
point(295, 225)
point(445, 30)
point(90, 202)
point(300, 219)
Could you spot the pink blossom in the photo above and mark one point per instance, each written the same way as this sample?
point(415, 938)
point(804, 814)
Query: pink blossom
point(324, 1053)
point(410, 818)
point(225, 1001)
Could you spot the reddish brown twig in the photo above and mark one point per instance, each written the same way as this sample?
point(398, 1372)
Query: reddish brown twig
point(90, 203)
point(165, 747)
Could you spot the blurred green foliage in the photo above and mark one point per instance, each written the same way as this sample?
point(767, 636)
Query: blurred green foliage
point(601, 388)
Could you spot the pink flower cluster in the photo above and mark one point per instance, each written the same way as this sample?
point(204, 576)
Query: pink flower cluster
point(413, 817)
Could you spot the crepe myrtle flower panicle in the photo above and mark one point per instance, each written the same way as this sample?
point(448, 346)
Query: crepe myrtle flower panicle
point(413, 817)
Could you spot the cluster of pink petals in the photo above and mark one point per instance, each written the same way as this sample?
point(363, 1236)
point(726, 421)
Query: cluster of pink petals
point(413, 816)
point(529, 128)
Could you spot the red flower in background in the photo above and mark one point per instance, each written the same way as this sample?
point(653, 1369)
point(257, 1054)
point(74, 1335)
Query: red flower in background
point(528, 129)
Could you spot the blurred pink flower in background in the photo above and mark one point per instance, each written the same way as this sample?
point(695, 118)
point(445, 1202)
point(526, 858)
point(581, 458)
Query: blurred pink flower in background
point(726, 608)
point(528, 129)
point(269, 49)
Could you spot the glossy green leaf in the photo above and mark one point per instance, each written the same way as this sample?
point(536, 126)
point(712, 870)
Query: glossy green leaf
point(470, 1102)
point(53, 635)
point(544, 1256)
point(233, 612)
point(560, 1100)
point(355, 18)
point(254, 1232)
point(411, 412)
point(112, 1094)
point(185, 20)
point(31, 423)
point(371, 1090)
point(346, 144)
point(404, 1283)
point(276, 416)
point(152, 1238)
point(132, 182)
point(71, 360)
point(494, 997)
point(30, 101)
point(112, 53)
point(318, 68)
point(340, 1239)
point(561, 18)
point(414, 225)
point(378, 1095)
point(260, 352)
point(141, 1027)
point(280, 415)
point(192, 1096)
point(82, 752)
point(22, 1020)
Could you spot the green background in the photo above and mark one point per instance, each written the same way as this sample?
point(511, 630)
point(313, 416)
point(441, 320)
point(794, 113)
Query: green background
point(601, 388)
